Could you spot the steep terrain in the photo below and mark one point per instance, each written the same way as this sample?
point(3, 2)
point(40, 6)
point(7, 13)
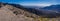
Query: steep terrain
point(11, 13)
point(15, 12)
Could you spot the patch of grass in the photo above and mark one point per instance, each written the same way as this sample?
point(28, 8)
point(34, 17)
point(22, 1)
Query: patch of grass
point(44, 19)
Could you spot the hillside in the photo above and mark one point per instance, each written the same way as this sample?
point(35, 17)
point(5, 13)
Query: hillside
point(16, 12)
point(9, 12)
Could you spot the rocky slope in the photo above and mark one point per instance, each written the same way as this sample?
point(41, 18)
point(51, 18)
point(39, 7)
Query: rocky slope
point(12, 12)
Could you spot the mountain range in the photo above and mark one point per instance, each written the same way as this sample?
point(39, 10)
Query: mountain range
point(49, 11)
point(17, 12)
point(53, 7)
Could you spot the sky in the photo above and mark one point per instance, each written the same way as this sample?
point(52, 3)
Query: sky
point(33, 2)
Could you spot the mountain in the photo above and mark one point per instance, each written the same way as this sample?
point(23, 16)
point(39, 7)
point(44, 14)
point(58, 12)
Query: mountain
point(48, 11)
point(15, 12)
point(53, 10)
point(44, 13)
point(32, 6)
point(53, 7)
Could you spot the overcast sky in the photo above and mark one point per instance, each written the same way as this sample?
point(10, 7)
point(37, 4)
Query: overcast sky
point(33, 2)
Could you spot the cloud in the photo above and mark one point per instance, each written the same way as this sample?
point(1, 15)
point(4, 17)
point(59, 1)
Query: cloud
point(36, 4)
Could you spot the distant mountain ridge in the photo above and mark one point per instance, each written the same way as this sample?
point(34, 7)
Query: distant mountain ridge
point(53, 7)
point(49, 11)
